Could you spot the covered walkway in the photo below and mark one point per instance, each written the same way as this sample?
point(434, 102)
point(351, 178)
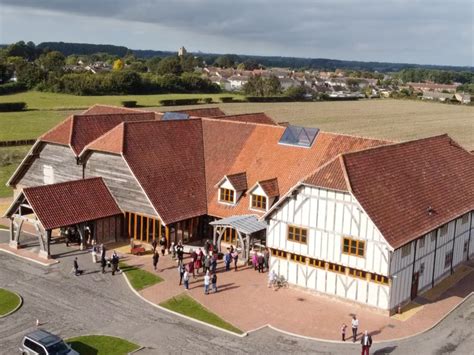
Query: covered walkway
point(80, 204)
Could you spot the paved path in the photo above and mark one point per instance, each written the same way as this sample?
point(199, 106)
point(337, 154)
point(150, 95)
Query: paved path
point(96, 303)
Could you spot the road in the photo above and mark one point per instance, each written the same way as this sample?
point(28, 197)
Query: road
point(103, 304)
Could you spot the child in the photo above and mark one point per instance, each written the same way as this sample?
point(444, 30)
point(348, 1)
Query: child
point(343, 332)
point(214, 282)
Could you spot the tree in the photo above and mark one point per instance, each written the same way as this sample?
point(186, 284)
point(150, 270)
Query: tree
point(169, 65)
point(272, 86)
point(226, 61)
point(6, 72)
point(251, 64)
point(188, 63)
point(52, 62)
point(152, 64)
point(118, 65)
point(296, 92)
point(138, 67)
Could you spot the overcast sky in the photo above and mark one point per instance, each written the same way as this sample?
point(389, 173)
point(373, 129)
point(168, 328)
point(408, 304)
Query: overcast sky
point(408, 31)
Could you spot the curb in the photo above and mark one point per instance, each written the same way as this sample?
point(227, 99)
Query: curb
point(16, 308)
point(28, 259)
point(243, 335)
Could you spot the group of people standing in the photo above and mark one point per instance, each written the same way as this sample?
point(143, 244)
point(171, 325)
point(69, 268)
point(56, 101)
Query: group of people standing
point(260, 260)
point(365, 340)
point(96, 250)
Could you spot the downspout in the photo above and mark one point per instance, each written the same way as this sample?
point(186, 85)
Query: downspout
point(434, 260)
point(414, 259)
point(454, 242)
point(469, 238)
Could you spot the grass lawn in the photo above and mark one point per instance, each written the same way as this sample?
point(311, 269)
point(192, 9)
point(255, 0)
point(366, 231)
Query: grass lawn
point(101, 345)
point(139, 279)
point(8, 301)
point(10, 158)
point(51, 101)
point(186, 305)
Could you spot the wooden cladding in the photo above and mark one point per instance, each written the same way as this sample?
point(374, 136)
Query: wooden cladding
point(142, 227)
point(259, 202)
point(226, 195)
point(353, 247)
point(298, 234)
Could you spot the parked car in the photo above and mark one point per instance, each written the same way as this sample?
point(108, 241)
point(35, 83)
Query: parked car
point(41, 342)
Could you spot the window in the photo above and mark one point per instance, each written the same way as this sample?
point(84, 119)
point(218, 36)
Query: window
point(379, 279)
point(465, 218)
point(406, 250)
point(34, 346)
point(226, 195)
point(48, 174)
point(357, 273)
point(422, 268)
point(298, 258)
point(259, 202)
point(316, 263)
point(297, 234)
point(421, 242)
point(448, 259)
point(279, 253)
point(353, 247)
point(336, 268)
point(466, 244)
point(443, 230)
point(433, 236)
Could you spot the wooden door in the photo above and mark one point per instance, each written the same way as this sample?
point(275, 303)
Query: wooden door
point(414, 285)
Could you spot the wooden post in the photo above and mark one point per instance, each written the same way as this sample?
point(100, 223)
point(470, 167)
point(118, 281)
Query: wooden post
point(154, 227)
point(159, 228)
point(148, 228)
point(167, 234)
point(48, 242)
point(135, 226)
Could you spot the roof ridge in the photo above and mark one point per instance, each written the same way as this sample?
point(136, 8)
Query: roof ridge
point(347, 179)
point(213, 119)
point(69, 182)
point(103, 135)
point(113, 106)
point(357, 136)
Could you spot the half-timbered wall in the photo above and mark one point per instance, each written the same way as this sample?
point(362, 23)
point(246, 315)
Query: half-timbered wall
point(120, 181)
point(55, 163)
point(329, 216)
point(456, 237)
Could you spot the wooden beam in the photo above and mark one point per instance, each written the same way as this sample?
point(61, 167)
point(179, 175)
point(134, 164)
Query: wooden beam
point(167, 234)
point(154, 228)
point(159, 228)
point(129, 223)
point(135, 227)
point(148, 228)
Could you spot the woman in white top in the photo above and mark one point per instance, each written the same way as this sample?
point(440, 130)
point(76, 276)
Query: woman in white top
point(207, 281)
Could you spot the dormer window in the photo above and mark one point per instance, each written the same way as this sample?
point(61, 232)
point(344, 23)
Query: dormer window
point(259, 202)
point(226, 195)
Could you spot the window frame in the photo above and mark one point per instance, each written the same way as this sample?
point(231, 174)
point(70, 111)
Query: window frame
point(465, 218)
point(263, 202)
point(350, 247)
point(379, 279)
point(300, 259)
point(291, 231)
point(278, 253)
point(224, 192)
point(448, 258)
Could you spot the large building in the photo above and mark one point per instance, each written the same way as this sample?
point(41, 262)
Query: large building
point(358, 218)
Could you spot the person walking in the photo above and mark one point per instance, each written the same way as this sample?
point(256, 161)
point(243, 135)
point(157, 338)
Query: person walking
point(266, 259)
point(191, 269)
point(154, 244)
point(207, 281)
point(343, 331)
point(103, 263)
point(186, 279)
point(94, 253)
point(198, 262)
point(355, 325)
point(115, 262)
point(207, 263)
point(213, 262)
point(227, 260)
point(180, 252)
point(156, 257)
point(366, 342)
point(255, 260)
point(214, 282)
point(163, 245)
point(260, 262)
point(235, 256)
point(103, 251)
point(77, 271)
point(181, 270)
point(173, 250)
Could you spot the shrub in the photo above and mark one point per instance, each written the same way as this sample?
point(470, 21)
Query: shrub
point(207, 100)
point(12, 106)
point(177, 102)
point(129, 103)
point(227, 99)
point(11, 88)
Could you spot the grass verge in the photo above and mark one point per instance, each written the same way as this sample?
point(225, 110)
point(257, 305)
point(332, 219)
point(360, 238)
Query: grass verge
point(8, 301)
point(139, 279)
point(101, 345)
point(187, 306)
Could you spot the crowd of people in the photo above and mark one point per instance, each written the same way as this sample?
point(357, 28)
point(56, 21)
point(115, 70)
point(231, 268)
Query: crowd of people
point(111, 262)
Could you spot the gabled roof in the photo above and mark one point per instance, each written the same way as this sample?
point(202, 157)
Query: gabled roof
point(203, 112)
point(99, 109)
point(238, 181)
point(270, 187)
point(258, 117)
point(69, 203)
point(397, 184)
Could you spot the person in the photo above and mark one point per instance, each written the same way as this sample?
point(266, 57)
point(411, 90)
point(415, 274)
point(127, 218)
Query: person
point(266, 258)
point(343, 331)
point(214, 282)
point(235, 256)
point(103, 263)
point(231, 248)
point(77, 271)
point(227, 260)
point(207, 263)
point(207, 246)
point(163, 245)
point(180, 252)
point(115, 262)
point(186, 279)
point(207, 281)
point(355, 325)
point(255, 260)
point(181, 270)
point(94, 253)
point(198, 263)
point(156, 257)
point(173, 250)
point(191, 269)
point(366, 342)
point(67, 236)
point(271, 278)
point(213, 262)
point(260, 262)
point(103, 251)
point(154, 244)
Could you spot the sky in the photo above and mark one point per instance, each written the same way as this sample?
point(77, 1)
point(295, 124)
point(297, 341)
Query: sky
point(402, 31)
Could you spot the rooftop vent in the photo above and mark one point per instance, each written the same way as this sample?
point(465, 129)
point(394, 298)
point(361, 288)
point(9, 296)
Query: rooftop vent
point(299, 136)
point(174, 116)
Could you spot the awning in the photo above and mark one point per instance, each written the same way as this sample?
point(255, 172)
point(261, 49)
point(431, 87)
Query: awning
point(67, 203)
point(247, 224)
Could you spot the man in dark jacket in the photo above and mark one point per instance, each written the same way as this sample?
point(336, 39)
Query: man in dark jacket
point(366, 342)
point(115, 262)
point(77, 272)
point(156, 257)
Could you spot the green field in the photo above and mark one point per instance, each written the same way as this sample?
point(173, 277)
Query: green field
point(186, 305)
point(8, 301)
point(101, 345)
point(139, 279)
point(10, 158)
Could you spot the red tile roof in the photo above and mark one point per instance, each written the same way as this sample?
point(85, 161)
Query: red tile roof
point(258, 117)
point(238, 181)
point(107, 109)
point(71, 202)
point(203, 112)
point(270, 187)
point(330, 176)
point(397, 184)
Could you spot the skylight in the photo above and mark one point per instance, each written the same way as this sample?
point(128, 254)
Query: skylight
point(173, 116)
point(299, 136)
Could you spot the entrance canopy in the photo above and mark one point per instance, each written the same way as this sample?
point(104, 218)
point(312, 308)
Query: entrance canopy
point(246, 224)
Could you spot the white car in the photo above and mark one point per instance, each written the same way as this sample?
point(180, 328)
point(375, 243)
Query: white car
point(41, 342)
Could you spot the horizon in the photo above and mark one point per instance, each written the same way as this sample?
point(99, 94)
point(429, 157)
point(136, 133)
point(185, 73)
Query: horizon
point(396, 32)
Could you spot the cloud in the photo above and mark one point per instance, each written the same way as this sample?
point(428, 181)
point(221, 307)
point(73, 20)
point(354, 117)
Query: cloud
point(404, 30)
